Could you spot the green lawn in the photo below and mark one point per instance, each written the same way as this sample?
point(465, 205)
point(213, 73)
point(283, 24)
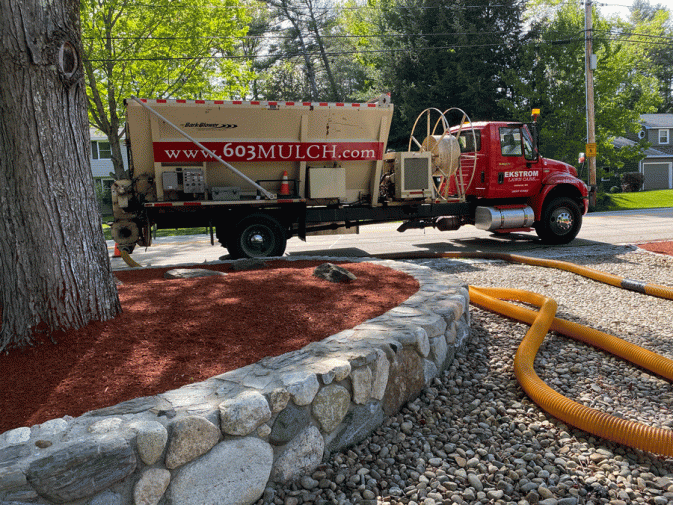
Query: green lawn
point(639, 200)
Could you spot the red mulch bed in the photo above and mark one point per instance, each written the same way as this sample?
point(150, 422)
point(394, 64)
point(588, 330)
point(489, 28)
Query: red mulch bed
point(658, 247)
point(175, 332)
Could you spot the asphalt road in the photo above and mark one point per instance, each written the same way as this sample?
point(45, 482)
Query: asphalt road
point(602, 228)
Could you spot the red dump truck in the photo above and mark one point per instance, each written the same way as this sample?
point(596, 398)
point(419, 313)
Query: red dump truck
point(257, 173)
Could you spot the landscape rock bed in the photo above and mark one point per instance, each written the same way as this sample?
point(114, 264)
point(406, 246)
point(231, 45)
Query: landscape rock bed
point(225, 439)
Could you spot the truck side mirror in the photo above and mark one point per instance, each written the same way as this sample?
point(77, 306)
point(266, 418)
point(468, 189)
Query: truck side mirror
point(536, 141)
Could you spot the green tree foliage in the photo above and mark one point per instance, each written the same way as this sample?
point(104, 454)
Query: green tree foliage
point(305, 58)
point(554, 80)
point(441, 54)
point(362, 26)
point(253, 45)
point(652, 25)
point(162, 49)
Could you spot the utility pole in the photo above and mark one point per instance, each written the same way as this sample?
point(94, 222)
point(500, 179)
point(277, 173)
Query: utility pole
point(590, 65)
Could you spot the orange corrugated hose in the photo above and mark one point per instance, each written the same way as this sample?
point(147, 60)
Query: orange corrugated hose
point(591, 273)
point(632, 434)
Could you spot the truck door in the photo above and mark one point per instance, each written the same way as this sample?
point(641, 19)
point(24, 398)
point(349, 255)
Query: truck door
point(517, 173)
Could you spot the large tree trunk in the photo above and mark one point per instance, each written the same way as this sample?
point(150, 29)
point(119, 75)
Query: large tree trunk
point(54, 267)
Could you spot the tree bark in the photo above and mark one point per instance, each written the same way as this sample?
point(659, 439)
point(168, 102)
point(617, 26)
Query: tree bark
point(54, 266)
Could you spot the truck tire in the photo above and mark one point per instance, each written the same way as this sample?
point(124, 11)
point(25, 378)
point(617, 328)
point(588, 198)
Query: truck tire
point(257, 236)
point(561, 221)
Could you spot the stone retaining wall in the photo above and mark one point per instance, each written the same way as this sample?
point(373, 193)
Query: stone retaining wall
point(222, 440)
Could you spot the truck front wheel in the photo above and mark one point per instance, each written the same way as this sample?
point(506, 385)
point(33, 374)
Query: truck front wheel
point(560, 223)
point(257, 236)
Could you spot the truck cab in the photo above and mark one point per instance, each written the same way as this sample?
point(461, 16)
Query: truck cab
point(503, 171)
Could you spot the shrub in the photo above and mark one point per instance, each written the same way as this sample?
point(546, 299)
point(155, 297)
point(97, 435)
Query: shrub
point(603, 202)
point(632, 181)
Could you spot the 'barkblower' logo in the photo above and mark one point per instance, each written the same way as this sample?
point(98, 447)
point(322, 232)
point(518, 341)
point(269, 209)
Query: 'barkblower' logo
point(216, 126)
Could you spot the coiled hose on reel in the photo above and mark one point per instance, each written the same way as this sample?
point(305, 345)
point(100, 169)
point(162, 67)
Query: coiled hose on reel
point(622, 431)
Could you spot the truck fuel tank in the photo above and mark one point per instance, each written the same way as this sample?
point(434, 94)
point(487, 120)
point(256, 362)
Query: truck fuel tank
point(502, 218)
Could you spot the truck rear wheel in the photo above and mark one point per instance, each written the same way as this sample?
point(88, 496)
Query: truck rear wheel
point(257, 236)
point(561, 221)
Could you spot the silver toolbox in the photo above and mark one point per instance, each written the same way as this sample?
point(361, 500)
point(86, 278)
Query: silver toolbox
point(226, 193)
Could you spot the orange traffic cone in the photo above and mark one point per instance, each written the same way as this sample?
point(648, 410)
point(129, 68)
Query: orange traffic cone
point(284, 185)
point(117, 253)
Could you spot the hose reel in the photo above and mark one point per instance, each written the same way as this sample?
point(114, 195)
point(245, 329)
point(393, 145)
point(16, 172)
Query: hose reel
point(450, 179)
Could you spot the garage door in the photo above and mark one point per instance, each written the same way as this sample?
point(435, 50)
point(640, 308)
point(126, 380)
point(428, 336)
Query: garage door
point(657, 176)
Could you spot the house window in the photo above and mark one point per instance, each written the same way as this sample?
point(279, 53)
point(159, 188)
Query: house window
point(100, 150)
point(663, 136)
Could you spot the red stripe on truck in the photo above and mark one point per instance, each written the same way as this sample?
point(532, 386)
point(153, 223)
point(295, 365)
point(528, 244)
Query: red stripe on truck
point(166, 152)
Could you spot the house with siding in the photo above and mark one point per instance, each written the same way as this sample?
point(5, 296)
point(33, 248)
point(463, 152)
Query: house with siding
point(102, 168)
point(657, 166)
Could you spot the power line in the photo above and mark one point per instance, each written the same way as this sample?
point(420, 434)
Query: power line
point(348, 53)
point(649, 43)
point(631, 34)
point(367, 7)
point(311, 53)
point(618, 37)
point(289, 37)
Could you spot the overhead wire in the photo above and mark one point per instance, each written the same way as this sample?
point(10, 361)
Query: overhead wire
point(289, 37)
point(343, 7)
point(368, 51)
point(616, 37)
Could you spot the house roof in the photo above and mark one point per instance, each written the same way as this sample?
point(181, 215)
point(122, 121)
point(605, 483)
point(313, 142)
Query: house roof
point(655, 152)
point(96, 134)
point(657, 120)
point(620, 142)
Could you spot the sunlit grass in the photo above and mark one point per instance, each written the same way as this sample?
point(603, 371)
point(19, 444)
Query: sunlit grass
point(640, 200)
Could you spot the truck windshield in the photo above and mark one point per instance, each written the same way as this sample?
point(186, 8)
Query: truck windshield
point(467, 140)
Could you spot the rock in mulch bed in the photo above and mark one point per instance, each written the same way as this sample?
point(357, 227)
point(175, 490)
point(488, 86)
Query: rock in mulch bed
point(190, 273)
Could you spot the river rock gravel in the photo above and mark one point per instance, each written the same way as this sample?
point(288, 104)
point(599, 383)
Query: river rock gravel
point(473, 436)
